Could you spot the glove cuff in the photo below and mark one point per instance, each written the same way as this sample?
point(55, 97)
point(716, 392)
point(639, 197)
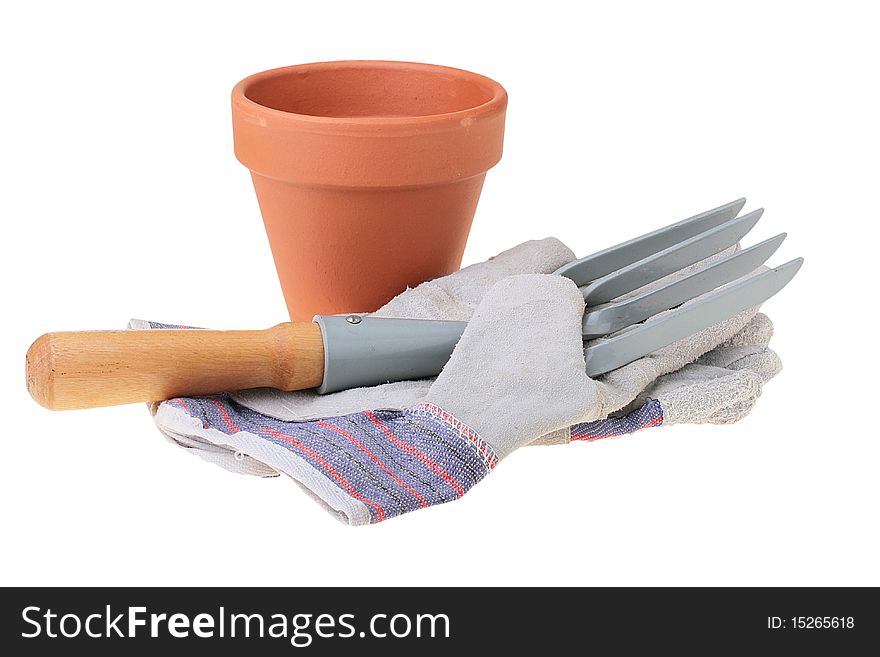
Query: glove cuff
point(363, 467)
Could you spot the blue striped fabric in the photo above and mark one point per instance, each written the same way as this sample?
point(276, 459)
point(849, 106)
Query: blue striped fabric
point(391, 461)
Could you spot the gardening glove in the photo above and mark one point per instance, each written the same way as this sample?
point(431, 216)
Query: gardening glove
point(719, 388)
point(517, 373)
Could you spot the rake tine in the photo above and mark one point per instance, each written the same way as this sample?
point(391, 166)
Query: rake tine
point(670, 260)
point(604, 262)
point(607, 355)
point(614, 317)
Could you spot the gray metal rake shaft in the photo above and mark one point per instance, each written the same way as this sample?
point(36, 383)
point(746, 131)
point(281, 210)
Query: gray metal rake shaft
point(623, 287)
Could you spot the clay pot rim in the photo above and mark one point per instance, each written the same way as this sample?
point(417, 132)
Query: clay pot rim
point(497, 103)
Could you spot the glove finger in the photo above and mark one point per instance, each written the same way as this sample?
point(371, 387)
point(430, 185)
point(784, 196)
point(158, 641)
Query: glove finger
point(733, 413)
point(762, 361)
point(696, 393)
point(757, 332)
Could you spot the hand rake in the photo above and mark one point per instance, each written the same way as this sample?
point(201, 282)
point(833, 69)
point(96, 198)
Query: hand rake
point(101, 368)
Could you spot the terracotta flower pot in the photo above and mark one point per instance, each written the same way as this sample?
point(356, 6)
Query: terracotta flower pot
point(367, 173)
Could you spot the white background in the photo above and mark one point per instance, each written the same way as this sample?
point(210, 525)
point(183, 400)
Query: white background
point(121, 197)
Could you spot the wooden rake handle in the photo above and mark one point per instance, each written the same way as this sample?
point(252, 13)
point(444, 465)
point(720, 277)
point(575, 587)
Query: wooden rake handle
point(103, 368)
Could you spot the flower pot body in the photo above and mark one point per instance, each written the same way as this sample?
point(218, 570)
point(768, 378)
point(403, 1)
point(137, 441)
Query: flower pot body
point(367, 174)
